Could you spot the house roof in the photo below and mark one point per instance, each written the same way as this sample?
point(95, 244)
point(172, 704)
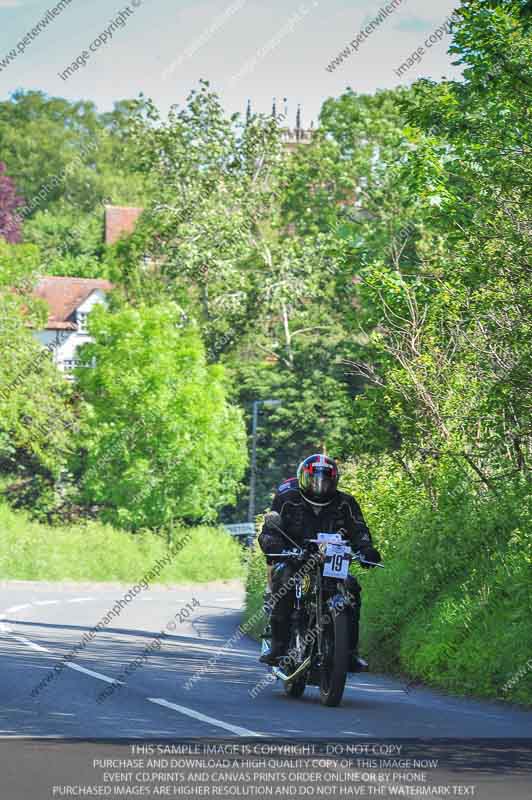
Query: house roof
point(120, 221)
point(64, 296)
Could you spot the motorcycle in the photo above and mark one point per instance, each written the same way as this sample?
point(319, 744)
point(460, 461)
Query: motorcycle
point(318, 650)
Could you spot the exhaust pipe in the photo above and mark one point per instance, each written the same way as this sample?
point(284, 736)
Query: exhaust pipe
point(289, 678)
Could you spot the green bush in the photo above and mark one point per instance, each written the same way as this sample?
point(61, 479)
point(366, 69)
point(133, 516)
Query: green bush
point(453, 606)
point(97, 552)
point(254, 619)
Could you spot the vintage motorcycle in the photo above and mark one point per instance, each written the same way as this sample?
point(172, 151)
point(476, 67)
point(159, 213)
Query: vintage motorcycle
point(318, 650)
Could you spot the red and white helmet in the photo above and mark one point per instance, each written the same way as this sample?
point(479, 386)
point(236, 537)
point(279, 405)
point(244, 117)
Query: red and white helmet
point(317, 477)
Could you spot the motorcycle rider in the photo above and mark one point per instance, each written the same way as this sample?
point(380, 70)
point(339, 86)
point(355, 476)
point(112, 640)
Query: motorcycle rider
point(309, 504)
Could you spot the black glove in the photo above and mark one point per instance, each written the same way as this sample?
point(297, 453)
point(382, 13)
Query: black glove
point(270, 542)
point(370, 554)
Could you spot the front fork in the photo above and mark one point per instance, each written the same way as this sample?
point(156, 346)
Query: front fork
point(297, 616)
point(337, 603)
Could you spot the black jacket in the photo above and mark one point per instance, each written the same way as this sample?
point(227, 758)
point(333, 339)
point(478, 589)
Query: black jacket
point(300, 522)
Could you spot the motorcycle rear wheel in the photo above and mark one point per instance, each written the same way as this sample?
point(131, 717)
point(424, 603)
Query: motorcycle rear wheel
point(333, 673)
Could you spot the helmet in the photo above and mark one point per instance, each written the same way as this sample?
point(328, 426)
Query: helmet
point(318, 478)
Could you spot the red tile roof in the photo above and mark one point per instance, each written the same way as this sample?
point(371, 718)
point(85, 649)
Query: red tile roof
point(120, 221)
point(64, 296)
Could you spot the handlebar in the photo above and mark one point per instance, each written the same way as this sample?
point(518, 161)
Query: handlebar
point(288, 554)
point(301, 552)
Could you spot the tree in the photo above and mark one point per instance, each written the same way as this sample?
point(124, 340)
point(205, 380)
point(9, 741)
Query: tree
point(160, 441)
point(246, 235)
point(10, 225)
point(70, 243)
point(451, 346)
point(61, 151)
point(36, 410)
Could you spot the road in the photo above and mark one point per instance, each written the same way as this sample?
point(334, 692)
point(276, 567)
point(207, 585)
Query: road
point(40, 622)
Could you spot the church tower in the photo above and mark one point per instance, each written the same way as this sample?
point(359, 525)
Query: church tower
point(290, 137)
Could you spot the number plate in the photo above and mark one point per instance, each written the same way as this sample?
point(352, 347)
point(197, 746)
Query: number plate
point(325, 538)
point(337, 561)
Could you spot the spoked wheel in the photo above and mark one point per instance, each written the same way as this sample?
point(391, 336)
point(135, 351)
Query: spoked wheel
point(295, 688)
point(334, 666)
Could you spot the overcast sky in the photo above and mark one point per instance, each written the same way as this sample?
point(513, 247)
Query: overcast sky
point(245, 48)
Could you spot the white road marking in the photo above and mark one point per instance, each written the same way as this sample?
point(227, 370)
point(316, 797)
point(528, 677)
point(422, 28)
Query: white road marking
point(356, 733)
point(79, 600)
point(474, 713)
point(46, 602)
point(16, 608)
point(90, 672)
point(361, 683)
point(32, 644)
point(228, 600)
point(35, 736)
point(189, 712)
point(4, 626)
point(69, 664)
point(367, 688)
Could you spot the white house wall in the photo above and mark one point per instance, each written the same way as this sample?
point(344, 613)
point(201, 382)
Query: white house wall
point(95, 297)
point(66, 342)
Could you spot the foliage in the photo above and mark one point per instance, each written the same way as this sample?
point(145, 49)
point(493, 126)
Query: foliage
point(9, 203)
point(453, 606)
point(68, 161)
point(435, 256)
point(254, 617)
point(30, 551)
point(453, 345)
point(70, 243)
point(219, 240)
point(206, 229)
point(35, 401)
point(160, 440)
point(61, 151)
point(316, 407)
point(376, 281)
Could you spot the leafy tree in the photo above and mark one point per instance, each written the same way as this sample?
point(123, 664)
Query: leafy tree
point(246, 236)
point(59, 150)
point(160, 440)
point(10, 225)
point(316, 411)
point(449, 355)
point(70, 243)
point(35, 401)
point(69, 161)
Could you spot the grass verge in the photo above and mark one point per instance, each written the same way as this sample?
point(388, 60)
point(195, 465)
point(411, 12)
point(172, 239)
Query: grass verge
point(98, 552)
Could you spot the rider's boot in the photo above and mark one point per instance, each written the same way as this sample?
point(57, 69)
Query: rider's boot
point(278, 646)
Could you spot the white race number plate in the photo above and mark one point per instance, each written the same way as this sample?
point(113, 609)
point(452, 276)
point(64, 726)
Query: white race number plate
point(337, 561)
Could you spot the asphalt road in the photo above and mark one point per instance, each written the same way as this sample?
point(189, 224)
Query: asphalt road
point(39, 623)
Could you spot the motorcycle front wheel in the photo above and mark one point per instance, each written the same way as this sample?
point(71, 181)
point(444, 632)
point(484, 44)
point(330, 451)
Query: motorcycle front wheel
point(295, 688)
point(335, 661)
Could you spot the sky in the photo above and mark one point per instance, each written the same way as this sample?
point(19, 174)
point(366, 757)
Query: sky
point(247, 49)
